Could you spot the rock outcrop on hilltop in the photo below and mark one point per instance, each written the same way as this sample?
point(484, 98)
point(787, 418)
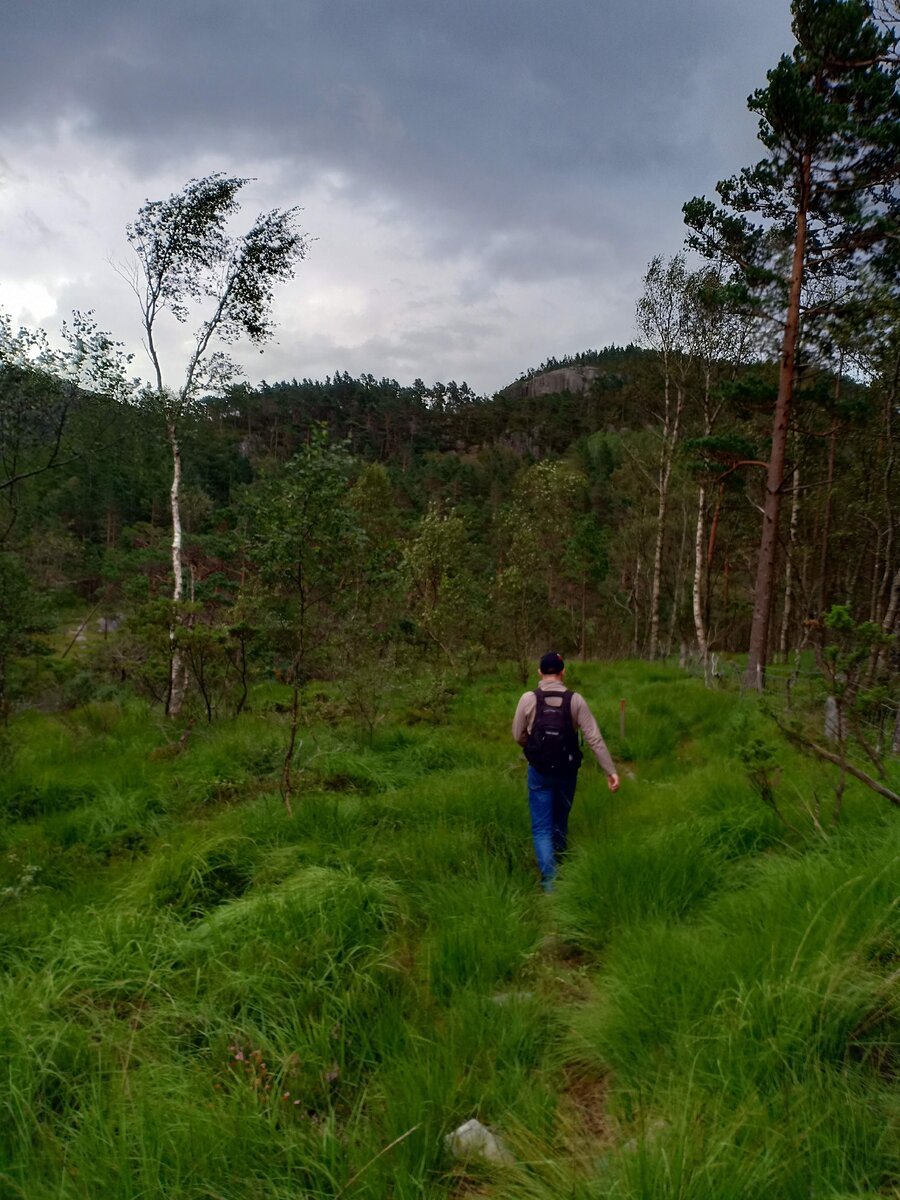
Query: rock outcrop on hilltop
point(575, 379)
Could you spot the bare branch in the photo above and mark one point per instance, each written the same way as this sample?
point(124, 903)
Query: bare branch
point(806, 743)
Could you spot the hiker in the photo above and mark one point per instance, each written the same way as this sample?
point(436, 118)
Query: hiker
point(546, 724)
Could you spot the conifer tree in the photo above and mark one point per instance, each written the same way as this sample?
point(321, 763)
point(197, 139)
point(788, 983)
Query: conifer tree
point(823, 205)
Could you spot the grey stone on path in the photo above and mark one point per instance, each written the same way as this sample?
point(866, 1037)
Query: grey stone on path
point(503, 998)
point(474, 1140)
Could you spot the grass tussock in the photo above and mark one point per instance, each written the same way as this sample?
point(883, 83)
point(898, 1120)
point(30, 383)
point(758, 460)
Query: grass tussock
point(204, 996)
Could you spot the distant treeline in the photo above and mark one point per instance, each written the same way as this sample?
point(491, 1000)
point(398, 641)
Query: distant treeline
point(389, 422)
point(500, 524)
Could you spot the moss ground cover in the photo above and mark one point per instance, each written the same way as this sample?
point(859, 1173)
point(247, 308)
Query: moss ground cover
point(202, 997)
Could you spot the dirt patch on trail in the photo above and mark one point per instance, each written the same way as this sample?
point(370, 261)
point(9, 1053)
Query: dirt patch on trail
point(466, 1190)
point(586, 1126)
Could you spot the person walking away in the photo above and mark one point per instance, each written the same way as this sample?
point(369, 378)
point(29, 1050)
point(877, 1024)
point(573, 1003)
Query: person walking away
point(547, 723)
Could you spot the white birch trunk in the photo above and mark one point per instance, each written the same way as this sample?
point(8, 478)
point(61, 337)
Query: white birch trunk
point(177, 669)
point(670, 438)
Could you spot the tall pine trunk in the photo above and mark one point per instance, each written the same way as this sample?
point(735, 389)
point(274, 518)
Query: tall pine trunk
point(764, 590)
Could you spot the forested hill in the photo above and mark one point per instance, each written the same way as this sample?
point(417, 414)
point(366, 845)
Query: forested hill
point(622, 517)
point(386, 421)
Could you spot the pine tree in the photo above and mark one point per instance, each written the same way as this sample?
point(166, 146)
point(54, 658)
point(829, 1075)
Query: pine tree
point(823, 207)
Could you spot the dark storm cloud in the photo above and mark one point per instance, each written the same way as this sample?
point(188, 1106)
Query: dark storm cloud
point(488, 178)
point(487, 109)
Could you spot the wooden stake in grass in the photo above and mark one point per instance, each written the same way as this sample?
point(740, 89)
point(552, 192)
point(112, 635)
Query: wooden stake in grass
point(80, 629)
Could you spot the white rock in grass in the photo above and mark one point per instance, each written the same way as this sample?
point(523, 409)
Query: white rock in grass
point(474, 1140)
point(652, 1131)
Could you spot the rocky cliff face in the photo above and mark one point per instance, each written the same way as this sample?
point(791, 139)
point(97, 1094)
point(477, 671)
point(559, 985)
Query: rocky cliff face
point(550, 383)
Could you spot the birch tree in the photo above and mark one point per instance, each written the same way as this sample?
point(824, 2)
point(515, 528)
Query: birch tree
point(717, 341)
point(187, 264)
point(662, 322)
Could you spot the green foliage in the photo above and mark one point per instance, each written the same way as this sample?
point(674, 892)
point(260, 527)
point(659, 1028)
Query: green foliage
point(759, 756)
point(301, 534)
point(42, 394)
point(96, 530)
point(445, 597)
point(849, 646)
point(537, 528)
point(187, 255)
point(23, 616)
point(830, 122)
point(856, 657)
point(587, 550)
point(719, 457)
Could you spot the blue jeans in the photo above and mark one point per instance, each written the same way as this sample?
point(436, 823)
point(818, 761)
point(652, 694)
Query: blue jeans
point(550, 800)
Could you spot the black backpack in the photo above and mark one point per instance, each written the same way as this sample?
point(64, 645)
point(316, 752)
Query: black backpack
point(552, 747)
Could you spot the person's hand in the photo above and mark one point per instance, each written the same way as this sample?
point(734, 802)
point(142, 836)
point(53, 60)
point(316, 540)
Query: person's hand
point(612, 782)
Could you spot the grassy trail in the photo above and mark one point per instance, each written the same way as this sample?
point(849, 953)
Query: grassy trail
point(202, 997)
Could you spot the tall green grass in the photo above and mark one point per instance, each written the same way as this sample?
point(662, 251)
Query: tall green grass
point(204, 996)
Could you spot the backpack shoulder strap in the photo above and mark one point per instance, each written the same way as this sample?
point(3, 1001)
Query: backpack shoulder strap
point(570, 720)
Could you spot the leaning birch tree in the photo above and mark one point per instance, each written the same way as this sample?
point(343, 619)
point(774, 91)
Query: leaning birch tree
point(822, 204)
point(187, 263)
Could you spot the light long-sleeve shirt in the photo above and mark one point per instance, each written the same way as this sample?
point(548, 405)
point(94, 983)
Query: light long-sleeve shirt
point(582, 718)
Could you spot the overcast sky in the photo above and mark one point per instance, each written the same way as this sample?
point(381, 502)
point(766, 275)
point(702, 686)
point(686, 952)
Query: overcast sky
point(487, 180)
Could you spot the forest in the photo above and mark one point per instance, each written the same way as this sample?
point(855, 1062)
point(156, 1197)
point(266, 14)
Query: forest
point(717, 488)
point(342, 527)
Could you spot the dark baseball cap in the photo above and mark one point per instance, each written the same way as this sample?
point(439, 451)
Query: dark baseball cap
point(552, 664)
